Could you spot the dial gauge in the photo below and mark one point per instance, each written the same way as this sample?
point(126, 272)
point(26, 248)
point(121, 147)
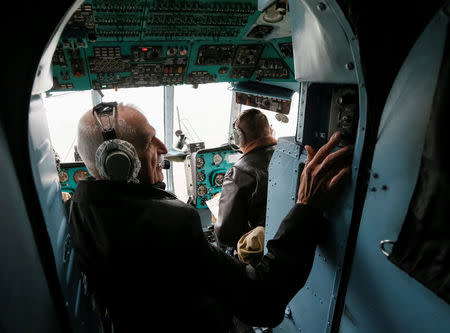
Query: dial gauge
point(202, 190)
point(218, 179)
point(217, 159)
point(63, 176)
point(199, 162)
point(201, 177)
point(80, 175)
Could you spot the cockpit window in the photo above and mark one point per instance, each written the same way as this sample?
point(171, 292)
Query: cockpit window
point(203, 113)
point(64, 109)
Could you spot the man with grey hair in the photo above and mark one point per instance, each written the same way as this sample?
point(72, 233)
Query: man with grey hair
point(146, 257)
point(131, 126)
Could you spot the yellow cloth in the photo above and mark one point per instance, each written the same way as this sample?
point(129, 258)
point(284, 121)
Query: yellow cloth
point(66, 196)
point(250, 246)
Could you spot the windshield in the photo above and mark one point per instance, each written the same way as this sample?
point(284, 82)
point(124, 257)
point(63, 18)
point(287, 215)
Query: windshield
point(203, 113)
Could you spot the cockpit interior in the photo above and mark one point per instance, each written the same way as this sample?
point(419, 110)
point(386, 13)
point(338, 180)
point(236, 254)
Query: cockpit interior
point(313, 67)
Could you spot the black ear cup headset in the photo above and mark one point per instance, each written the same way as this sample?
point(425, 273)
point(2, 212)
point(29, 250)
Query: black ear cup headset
point(115, 159)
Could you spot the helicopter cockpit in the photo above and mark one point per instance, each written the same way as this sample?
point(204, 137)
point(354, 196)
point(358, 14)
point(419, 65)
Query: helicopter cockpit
point(313, 67)
point(192, 67)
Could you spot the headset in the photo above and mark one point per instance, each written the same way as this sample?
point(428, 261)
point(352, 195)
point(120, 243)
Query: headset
point(238, 135)
point(115, 159)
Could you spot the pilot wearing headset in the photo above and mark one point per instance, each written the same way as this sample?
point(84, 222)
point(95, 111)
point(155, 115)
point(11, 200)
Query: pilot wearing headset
point(242, 205)
point(144, 252)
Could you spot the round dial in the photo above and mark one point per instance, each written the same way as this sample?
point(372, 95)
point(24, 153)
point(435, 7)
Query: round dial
point(199, 162)
point(203, 201)
point(80, 175)
point(217, 159)
point(63, 176)
point(202, 190)
point(201, 177)
point(218, 179)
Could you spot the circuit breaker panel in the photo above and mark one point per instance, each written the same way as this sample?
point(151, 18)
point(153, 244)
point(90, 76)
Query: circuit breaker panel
point(124, 44)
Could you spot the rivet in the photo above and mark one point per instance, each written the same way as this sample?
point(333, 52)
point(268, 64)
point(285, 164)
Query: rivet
point(350, 66)
point(321, 6)
point(375, 175)
point(373, 189)
point(384, 187)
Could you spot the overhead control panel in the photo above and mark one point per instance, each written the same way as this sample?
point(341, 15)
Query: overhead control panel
point(264, 96)
point(122, 44)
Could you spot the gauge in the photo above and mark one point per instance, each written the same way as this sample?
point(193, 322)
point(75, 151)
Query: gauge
point(203, 201)
point(201, 177)
point(80, 175)
point(217, 159)
point(63, 176)
point(199, 162)
point(171, 51)
point(218, 179)
point(202, 190)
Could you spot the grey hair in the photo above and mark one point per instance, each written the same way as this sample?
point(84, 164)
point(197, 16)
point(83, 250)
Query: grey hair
point(90, 135)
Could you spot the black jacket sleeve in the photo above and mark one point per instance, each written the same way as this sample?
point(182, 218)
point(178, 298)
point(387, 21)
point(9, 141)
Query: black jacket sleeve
point(258, 296)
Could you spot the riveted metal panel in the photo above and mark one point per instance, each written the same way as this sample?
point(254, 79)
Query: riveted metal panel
point(312, 309)
point(380, 296)
point(322, 42)
point(283, 183)
point(46, 180)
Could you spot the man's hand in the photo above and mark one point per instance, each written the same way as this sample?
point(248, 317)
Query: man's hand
point(323, 172)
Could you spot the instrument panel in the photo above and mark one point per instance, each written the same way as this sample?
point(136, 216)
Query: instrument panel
point(124, 44)
point(70, 174)
point(208, 168)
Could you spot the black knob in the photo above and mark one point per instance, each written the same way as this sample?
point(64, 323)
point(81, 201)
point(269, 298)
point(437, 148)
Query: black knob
point(346, 99)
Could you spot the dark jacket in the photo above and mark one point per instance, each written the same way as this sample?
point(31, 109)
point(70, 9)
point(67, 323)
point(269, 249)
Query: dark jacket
point(146, 257)
point(243, 201)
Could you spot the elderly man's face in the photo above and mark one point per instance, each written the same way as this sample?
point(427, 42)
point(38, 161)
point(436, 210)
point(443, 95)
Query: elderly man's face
point(151, 169)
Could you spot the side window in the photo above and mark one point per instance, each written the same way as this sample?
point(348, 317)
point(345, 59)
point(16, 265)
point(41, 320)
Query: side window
point(65, 109)
point(203, 115)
